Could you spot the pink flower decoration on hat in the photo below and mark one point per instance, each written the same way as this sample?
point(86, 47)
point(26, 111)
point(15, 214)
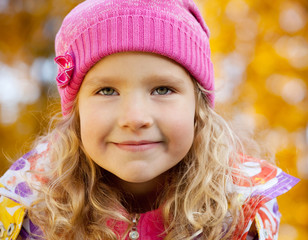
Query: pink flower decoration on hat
point(66, 70)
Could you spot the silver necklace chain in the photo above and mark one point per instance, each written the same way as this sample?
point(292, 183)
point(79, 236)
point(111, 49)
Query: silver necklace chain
point(133, 234)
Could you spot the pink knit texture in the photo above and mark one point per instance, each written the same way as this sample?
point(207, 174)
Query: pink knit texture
point(97, 28)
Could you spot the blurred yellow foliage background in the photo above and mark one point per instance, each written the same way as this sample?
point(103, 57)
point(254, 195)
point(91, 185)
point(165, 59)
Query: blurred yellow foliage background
point(260, 54)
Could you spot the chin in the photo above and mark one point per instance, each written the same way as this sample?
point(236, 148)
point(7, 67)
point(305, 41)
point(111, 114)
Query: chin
point(137, 179)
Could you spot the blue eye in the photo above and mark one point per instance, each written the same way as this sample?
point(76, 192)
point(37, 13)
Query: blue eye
point(108, 91)
point(162, 91)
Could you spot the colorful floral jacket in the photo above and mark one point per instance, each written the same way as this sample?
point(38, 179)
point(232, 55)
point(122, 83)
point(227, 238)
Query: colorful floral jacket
point(258, 202)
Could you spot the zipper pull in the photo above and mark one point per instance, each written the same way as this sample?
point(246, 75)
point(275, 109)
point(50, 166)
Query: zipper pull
point(133, 234)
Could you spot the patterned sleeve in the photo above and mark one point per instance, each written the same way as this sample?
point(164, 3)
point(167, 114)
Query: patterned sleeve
point(16, 194)
point(260, 208)
point(14, 221)
point(11, 218)
point(267, 220)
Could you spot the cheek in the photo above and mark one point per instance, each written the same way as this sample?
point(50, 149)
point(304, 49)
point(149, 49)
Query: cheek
point(90, 124)
point(86, 130)
point(96, 122)
point(86, 119)
point(181, 128)
point(92, 116)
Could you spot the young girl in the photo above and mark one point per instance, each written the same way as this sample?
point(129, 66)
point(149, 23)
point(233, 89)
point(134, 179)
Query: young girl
point(140, 152)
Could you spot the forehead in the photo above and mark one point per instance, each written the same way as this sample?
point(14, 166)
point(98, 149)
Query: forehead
point(137, 65)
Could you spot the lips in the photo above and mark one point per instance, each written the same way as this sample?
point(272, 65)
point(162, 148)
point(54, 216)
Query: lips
point(137, 146)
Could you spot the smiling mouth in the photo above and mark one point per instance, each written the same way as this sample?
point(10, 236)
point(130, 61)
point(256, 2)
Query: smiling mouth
point(133, 146)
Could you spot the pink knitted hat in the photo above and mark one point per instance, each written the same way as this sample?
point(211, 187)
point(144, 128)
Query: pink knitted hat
point(97, 28)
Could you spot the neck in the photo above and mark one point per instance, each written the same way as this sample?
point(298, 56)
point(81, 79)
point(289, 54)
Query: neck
point(139, 197)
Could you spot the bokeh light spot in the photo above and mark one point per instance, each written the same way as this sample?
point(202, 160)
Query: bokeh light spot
point(295, 49)
point(294, 91)
point(292, 18)
point(236, 10)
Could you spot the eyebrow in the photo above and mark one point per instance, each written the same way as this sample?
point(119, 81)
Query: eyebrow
point(161, 79)
point(170, 79)
point(99, 80)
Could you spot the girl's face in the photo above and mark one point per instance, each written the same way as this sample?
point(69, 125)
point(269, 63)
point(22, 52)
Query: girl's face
point(137, 115)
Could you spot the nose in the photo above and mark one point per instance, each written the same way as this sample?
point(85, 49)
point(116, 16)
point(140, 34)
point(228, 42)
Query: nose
point(135, 113)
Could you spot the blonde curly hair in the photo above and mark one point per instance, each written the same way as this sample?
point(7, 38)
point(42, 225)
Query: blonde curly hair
point(77, 201)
